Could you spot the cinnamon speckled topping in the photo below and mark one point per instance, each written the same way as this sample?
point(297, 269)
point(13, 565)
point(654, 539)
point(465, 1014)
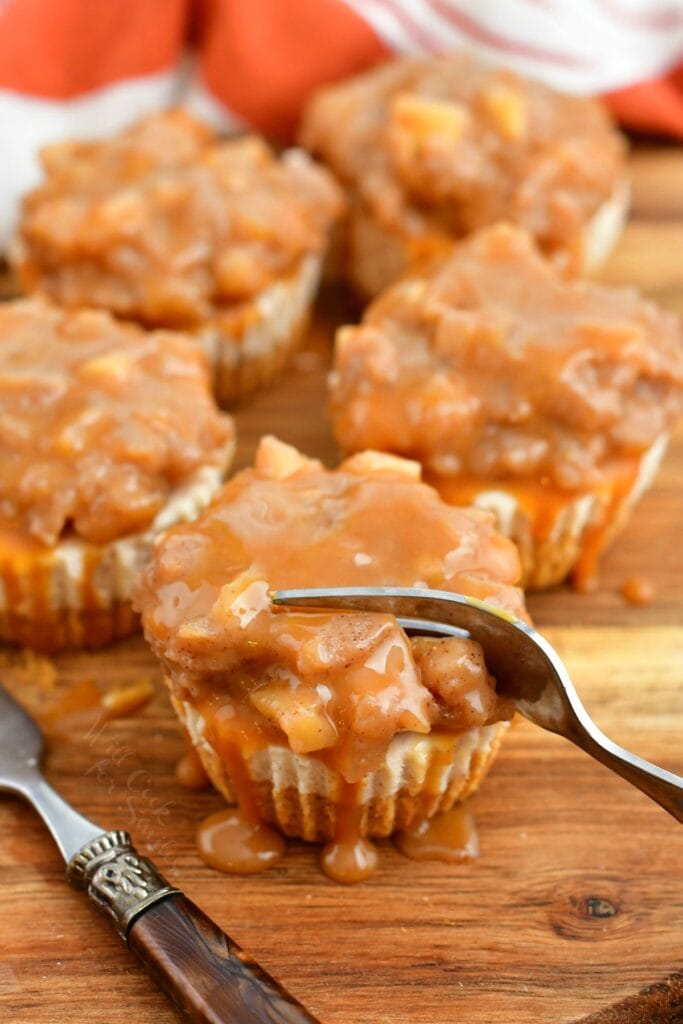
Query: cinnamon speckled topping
point(99, 422)
point(495, 367)
point(447, 145)
point(167, 224)
point(337, 685)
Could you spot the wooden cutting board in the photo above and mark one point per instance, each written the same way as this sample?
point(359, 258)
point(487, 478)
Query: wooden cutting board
point(575, 905)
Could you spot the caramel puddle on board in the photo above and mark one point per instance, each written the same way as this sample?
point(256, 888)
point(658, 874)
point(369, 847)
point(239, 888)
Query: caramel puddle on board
point(638, 591)
point(450, 837)
point(236, 840)
point(350, 860)
point(229, 841)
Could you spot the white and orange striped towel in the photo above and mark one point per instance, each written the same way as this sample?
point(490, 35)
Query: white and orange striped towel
point(87, 67)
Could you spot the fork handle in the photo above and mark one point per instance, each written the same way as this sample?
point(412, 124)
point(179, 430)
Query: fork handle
point(204, 972)
point(209, 978)
point(665, 788)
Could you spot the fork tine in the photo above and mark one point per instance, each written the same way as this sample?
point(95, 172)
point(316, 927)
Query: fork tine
point(428, 627)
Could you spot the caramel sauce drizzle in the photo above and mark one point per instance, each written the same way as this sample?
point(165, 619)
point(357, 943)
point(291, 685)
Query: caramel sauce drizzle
point(237, 840)
point(544, 505)
point(190, 771)
point(450, 837)
point(27, 574)
point(349, 857)
point(231, 841)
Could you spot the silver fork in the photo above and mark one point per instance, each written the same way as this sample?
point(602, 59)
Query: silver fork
point(526, 668)
point(206, 974)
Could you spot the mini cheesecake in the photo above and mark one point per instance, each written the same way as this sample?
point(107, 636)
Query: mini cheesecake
point(108, 434)
point(167, 225)
point(431, 149)
point(547, 401)
point(329, 724)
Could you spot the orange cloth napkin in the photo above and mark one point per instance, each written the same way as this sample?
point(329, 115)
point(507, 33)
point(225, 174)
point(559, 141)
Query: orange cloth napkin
point(85, 68)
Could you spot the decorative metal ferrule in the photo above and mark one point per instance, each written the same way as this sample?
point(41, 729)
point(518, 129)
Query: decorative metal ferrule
point(118, 879)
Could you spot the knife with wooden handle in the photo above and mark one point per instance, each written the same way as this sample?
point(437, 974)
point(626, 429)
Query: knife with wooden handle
point(209, 978)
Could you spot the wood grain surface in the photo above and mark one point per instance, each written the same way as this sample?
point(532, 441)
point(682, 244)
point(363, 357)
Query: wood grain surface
point(574, 910)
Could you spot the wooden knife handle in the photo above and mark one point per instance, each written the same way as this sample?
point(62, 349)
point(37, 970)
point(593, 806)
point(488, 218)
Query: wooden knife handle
point(204, 972)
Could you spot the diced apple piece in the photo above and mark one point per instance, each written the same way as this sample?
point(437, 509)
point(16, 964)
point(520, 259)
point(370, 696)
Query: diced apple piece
point(371, 461)
point(243, 598)
point(73, 438)
point(123, 206)
point(453, 669)
point(113, 365)
point(415, 120)
point(300, 713)
point(277, 460)
point(193, 634)
point(507, 109)
point(237, 273)
point(365, 350)
point(126, 700)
